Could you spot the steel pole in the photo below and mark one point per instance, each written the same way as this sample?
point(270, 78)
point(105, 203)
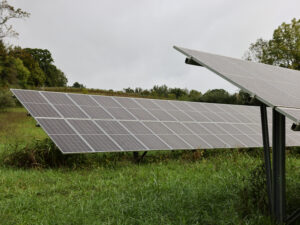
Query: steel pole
point(279, 198)
point(265, 137)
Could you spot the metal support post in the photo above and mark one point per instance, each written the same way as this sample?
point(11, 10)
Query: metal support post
point(136, 157)
point(279, 199)
point(265, 136)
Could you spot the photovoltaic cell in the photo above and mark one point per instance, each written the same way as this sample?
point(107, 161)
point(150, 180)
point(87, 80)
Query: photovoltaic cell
point(56, 126)
point(57, 98)
point(174, 141)
point(166, 105)
point(85, 127)
point(180, 116)
point(111, 127)
point(136, 127)
point(29, 96)
point(70, 111)
point(128, 142)
point(84, 123)
point(177, 128)
point(162, 115)
point(152, 142)
point(83, 100)
point(147, 103)
point(41, 110)
point(195, 141)
point(197, 128)
point(141, 114)
point(182, 105)
point(213, 128)
point(213, 140)
point(158, 128)
point(101, 143)
point(198, 116)
point(105, 101)
point(70, 144)
point(120, 114)
point(127, 103)
point(230, 141)
point(96, 112)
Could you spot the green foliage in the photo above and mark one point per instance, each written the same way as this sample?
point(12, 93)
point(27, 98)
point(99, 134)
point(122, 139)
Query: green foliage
point(282, 50)
point(195, 95)
point(218, 96)
point(160, 91)
point(54, 76)
point(28, 67)
point(178, 92)
point(6, 99)
point(78, 85)
point(128, 90)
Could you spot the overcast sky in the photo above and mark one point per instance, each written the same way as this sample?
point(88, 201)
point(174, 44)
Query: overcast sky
point(110, 44)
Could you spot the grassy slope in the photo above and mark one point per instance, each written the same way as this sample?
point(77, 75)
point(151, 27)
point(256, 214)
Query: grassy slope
point(172, 191)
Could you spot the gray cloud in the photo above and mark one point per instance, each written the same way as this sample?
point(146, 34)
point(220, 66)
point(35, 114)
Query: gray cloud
point(116, 44)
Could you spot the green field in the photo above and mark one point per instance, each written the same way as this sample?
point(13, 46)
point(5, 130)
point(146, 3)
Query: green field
point(177, 187)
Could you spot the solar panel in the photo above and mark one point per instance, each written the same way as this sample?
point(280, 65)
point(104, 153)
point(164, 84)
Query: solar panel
point(275, 86)
point(80, 123)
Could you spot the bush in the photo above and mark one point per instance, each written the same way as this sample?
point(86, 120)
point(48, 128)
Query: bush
point(42, 154)
point(6, 99)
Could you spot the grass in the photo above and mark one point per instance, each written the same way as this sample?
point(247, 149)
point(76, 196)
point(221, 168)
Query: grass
point(177, 187)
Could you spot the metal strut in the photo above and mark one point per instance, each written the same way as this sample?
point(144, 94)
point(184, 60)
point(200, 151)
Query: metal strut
point(137, 158)
point(279, 198)
point(275, 175)
point(265, 136)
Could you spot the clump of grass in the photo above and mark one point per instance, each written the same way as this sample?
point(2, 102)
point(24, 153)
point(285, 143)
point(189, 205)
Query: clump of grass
point(41, 154)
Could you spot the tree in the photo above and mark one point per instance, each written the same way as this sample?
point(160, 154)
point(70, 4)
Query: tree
point(160, 91)
point(128, 90)
point(12, 70)
point(8, 12)
point(195, 95)
point(77, 85)
point(37, 76)
point(218, 96)
point(282, 50)
point(178, 92)
point(54, 76)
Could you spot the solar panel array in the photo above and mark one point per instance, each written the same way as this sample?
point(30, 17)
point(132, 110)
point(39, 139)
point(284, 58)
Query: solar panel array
point(80, 123)
point(275, 86)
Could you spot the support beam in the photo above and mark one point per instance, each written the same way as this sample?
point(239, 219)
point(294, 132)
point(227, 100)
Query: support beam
point(266, 145)
point(279, 199)
point(138, 158)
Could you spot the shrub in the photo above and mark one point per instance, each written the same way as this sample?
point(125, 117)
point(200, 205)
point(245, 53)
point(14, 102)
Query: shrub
point(42, 154)
point(6, 99)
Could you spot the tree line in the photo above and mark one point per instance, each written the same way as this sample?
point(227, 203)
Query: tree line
point(215, 95)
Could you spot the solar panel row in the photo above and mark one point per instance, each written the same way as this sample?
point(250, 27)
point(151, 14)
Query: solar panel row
point(92, 123)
